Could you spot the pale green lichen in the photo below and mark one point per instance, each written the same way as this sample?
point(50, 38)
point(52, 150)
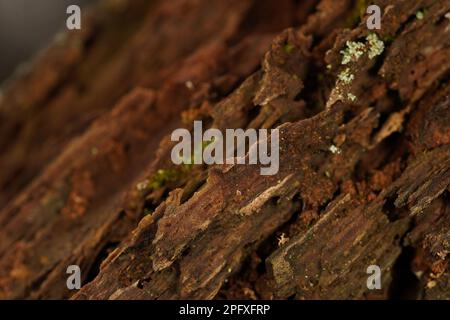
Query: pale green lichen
point(352, 52)
point(345, 76)
point(351, 97)
point(142, 186)
point(420, 15)
point(355, 50)
point(334, 150)
point(376, 46)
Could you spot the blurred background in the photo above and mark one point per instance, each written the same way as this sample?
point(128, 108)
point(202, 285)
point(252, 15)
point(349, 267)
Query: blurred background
point(26, 26)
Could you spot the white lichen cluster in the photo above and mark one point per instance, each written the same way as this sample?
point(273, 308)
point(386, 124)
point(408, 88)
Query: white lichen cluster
point(355, 49)
point(351, 97)
point(334, 150)
point(190, 85)
point(376, 46)
point(420, 15)
point(142, 186)
point(373, 47)
point(345, 76)
point(282, 239)
point(352, 52)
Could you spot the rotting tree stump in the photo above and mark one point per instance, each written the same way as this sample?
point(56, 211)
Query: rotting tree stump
point(364, 175)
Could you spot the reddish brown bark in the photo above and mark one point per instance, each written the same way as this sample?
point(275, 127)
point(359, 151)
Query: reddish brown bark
point(362, 180)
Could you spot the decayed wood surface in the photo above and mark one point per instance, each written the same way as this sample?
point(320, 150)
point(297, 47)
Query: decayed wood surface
point(362, 181)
